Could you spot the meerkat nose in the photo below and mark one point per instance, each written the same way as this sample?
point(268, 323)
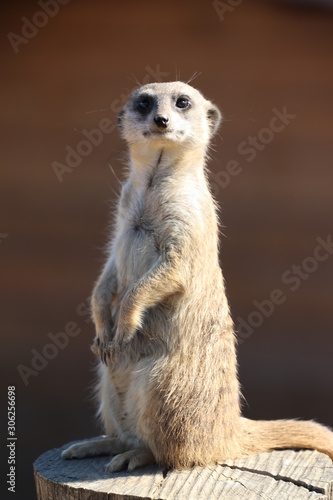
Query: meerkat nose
point(161, 121)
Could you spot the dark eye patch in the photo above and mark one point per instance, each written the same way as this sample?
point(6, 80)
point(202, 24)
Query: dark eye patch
point(144, 104)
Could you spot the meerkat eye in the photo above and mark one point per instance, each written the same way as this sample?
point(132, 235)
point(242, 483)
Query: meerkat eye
point(182, 102)
point(144, 105)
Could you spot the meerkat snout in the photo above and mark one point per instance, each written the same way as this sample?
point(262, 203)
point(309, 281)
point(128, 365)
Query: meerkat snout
point(161, 121)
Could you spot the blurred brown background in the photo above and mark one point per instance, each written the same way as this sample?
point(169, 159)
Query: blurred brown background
point(75, 72)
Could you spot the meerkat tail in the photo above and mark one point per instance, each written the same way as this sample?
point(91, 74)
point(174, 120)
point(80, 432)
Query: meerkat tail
point(264, 435)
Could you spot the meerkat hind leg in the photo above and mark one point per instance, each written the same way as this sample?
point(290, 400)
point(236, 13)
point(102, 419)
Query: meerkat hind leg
point(103, 445)
point(133, 459)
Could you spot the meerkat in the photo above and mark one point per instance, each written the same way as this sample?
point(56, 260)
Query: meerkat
point(168, 389)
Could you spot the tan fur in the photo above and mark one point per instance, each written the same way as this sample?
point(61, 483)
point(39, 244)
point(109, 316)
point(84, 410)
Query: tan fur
point(168, 386)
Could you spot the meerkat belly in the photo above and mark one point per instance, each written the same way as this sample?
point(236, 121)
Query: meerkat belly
point(123, 395)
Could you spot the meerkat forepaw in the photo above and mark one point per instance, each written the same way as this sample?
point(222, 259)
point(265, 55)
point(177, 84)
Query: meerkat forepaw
point(110, 352)
point(101, 350)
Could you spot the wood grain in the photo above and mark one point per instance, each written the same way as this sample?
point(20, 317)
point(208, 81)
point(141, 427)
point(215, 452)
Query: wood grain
point(280, 475)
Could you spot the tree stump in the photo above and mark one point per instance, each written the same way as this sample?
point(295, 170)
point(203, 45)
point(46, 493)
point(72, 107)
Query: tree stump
point(280, 475)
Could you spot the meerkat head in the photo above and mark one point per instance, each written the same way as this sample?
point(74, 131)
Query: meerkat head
point(171, 114)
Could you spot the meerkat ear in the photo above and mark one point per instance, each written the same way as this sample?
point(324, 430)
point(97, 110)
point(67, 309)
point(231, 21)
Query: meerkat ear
point(214, 118)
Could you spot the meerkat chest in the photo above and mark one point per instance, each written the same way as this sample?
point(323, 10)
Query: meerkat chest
point(150, 217)
point(136, 240)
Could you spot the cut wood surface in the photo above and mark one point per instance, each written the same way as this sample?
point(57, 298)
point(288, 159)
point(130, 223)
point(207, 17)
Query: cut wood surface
point(280, 475)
